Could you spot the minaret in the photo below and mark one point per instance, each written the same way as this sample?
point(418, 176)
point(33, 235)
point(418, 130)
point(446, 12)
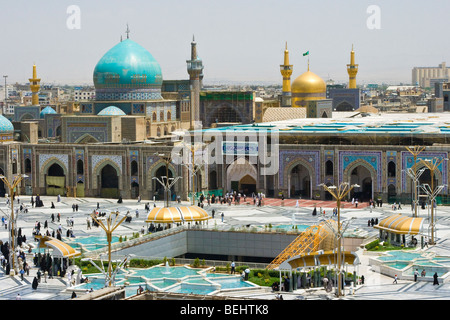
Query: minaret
point(352, 70)
point(286, 72)
point(35, 86)
point(195, 70)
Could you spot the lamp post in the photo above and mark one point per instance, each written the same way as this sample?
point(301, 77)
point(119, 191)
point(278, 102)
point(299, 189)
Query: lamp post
point(415, 174)
point(194, 169)
point(109, 229)
point(165, 181)
point(432, 165)
point(12, 218)
point(415, 151)
point(338, 194)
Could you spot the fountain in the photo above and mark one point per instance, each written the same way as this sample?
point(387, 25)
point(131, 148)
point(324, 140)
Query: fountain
point(167, 268)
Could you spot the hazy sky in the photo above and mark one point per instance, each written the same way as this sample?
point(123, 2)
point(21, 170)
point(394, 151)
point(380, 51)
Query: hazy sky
point(238, 40)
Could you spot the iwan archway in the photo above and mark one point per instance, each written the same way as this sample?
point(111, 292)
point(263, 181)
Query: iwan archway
point(55, 180)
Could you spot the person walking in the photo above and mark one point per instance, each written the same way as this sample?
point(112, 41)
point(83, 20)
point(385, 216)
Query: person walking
point(233, 267)
point(435, 279)
point(395, 279)
point(416, 274)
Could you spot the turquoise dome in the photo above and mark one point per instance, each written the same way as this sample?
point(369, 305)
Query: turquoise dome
point(111, 111)
point(127, 65)
point(46, 110)
point(6, 126)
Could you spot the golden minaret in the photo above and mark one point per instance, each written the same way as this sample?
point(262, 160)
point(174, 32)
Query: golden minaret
point(286, 71)
point(35, 86)
point(352, 70)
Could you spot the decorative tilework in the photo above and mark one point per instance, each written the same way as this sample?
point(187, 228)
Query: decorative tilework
point(96, 159)
point(138, 108)
point(288, 157)
point(63, 158)
point(151, 160)
point(373, 158)
point(86, 108)
point(14, 153)
point(408, 162)
point(79, 155)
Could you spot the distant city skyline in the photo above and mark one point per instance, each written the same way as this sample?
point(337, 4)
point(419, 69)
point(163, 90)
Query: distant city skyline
point(238, 41)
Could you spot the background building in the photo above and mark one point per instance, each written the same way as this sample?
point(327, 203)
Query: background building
point(425, 76)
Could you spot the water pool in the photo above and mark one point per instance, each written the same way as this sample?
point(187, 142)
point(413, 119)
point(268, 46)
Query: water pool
point(181, 279)
point(159, 272)
point(400, 255)
point(232, 283)
point(195, 289)
point(94, 240)
point(397, 265)
point(291, 227)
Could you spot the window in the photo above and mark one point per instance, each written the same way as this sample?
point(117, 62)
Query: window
point(391, 169)
point(329, 168)
point(27, 166)
point(80, 168)
point(134, 168)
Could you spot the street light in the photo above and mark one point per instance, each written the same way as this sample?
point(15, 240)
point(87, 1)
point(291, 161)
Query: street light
point(432, 165)
point(12, 218)
point(338, 194)
point(415, 151)
point(415, 176)
point(109, 278)
point(165, 181)
point(109, 228)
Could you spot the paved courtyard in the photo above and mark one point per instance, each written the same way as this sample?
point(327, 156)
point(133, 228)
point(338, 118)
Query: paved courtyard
point(376, 286)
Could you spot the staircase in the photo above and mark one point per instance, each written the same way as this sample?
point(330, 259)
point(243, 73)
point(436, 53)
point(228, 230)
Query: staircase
point(308, 241)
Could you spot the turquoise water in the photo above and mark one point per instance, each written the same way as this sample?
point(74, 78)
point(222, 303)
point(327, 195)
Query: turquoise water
point(186, 288)
point(191, 280)
point(232, 283)
point(198, 281)
point(101, 240)
point(429, 271)
point(400, 255)
point(158, 272)
point(95, 284)
point(163, 283)
point(288, 227)
point(397, 265)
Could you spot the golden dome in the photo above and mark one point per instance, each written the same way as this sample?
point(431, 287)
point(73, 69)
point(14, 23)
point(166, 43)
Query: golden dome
point(308, 82)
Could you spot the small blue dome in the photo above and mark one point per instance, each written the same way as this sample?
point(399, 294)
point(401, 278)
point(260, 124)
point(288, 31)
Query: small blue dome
point(46, 110)
point(6, 126)
point(127, 65)
point(111, 111)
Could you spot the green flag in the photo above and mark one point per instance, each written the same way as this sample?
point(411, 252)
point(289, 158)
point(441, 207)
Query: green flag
point(306, 53)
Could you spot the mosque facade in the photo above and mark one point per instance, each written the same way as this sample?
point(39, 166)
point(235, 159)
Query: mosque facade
point(117, 144)
point(111, 146)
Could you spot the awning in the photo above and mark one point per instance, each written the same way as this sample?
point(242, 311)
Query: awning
point(318, 258)
point(59, 248)
point(164, 215)
point(194, 213)
point(176, 214)
point(400, 224)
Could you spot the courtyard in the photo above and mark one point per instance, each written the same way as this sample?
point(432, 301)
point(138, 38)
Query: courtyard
point(376, 286)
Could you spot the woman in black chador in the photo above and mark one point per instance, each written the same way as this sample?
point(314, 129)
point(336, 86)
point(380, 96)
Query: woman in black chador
point(435, 279)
